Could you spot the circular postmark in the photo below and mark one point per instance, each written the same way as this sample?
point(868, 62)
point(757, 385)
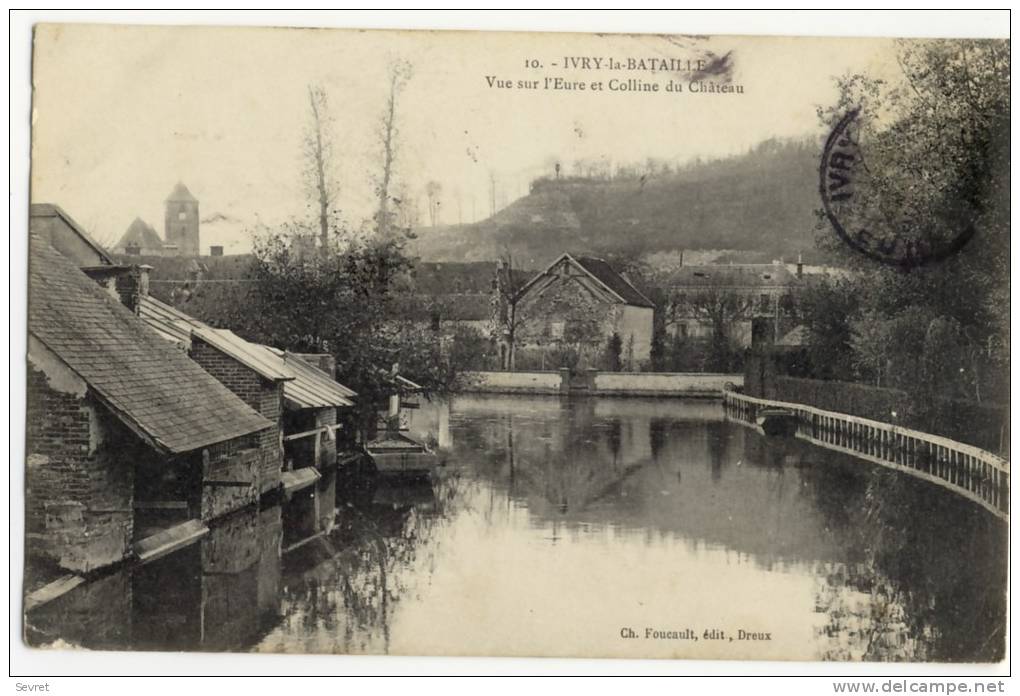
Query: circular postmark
point(848, 199)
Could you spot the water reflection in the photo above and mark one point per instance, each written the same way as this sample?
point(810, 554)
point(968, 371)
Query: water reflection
point(555, 523)
point(218, 594)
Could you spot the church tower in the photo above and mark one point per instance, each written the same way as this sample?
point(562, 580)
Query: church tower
point(181, 226)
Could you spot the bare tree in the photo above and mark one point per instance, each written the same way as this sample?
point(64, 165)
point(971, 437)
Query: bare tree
point(433, 190)
point(507, 315)
point(722, 310)
point(318, 150)
point(400, 73)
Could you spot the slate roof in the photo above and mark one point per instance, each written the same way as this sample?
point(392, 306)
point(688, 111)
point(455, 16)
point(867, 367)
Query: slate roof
point(141, 234)
point(735, 276)
point(181, 193)
point(251, 355)
point(154, 388)
point(614, 281)
point(306, 386)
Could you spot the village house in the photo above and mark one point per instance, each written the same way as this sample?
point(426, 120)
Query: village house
point(298, 393)
point(580, 303)
point(755, 301)
point(131, 446)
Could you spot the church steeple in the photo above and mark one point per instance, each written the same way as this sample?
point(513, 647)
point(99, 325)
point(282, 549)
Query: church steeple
point(181, 223)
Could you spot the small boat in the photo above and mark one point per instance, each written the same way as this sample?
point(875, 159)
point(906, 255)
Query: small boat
point(781, 422)
point(395, 453)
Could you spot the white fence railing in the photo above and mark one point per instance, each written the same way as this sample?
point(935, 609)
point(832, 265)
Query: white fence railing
point(972, 472)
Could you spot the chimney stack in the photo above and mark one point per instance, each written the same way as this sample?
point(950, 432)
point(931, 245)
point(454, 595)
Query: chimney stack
point(132, 285)
point(800, 266)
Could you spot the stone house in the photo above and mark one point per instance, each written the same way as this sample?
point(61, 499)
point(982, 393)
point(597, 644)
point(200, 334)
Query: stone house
point(759, 300)
point(581, 302)
point(127, 440)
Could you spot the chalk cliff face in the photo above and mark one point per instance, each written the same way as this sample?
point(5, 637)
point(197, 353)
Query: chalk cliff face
point(760, 204)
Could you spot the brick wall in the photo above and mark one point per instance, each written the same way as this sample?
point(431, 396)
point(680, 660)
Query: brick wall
point(79, 478)
point(264, 396)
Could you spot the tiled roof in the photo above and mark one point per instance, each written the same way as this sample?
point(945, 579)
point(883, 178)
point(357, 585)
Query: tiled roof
point(252, 355)
point(614, 281)
point(141, 234)
point(306, 386)
point(154, 388)
point(732, 276)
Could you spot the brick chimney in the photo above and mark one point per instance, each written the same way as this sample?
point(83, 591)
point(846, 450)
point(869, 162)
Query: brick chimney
point(800, 266)
point(132, 285)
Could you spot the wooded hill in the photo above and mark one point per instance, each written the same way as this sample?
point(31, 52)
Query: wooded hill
point(757, 206)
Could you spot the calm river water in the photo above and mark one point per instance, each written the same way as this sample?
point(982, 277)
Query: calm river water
point(594, 527)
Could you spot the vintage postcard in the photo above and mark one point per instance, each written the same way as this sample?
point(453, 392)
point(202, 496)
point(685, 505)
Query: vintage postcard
point(518, 344)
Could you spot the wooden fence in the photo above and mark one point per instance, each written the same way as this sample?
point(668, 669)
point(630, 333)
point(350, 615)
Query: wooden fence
point(977, 475)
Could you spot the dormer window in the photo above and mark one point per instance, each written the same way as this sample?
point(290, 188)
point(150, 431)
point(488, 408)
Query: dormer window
point(766, 276)
point(699, 274)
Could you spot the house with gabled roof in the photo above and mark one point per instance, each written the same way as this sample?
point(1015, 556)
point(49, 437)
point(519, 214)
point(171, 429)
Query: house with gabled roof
point(579, 304)
point(141, 239)
point(50, 223)
point(131, 446)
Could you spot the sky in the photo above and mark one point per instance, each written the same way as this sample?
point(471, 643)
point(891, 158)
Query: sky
point(121, 114)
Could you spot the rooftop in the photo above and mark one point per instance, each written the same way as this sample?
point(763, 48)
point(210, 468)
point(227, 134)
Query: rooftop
point(140, 234)
point(181, 193)
point(608, 276)
point(751, 275)
point(155, 389)
point(305, 386)
point(44, 210)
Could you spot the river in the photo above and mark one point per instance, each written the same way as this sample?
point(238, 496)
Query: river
point(585, 527)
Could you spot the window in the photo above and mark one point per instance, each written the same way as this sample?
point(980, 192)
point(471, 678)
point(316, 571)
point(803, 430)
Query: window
point(556, 329)
point(683, 330)
point(764, 301)
point(182, 215)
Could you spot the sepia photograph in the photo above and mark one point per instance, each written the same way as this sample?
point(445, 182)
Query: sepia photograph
point(516, 344)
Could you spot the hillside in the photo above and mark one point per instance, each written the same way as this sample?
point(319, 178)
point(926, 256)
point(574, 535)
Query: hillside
point(755, 207)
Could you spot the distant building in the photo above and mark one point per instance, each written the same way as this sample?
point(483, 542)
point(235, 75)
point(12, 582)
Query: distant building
point(181, 222)
point(578, 304)
point(140, 239)
point(757, 297)
point(127, 439)
point(180, 230)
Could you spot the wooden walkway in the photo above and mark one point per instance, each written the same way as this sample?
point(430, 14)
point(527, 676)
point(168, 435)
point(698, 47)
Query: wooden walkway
point(977, 475)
